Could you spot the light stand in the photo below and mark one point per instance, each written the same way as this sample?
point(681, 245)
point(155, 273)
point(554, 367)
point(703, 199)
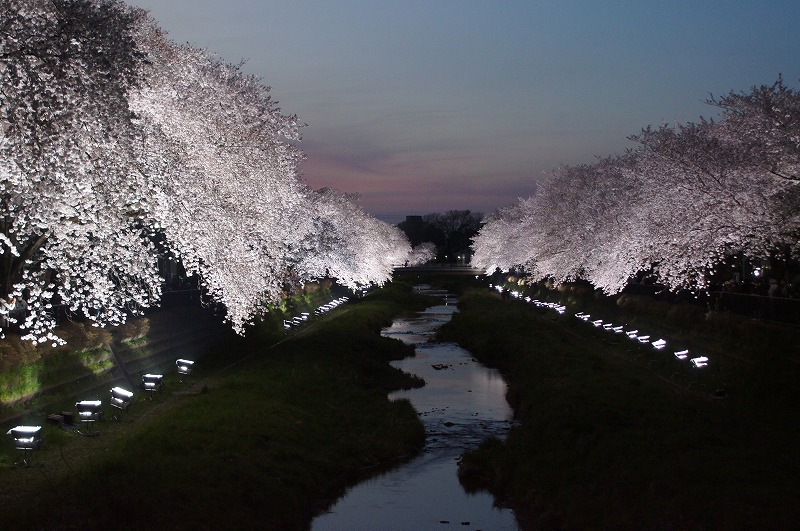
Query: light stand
point(27, 439)
point(185, 367)
point(152, 383)
point(89, 412)
point(120, 399)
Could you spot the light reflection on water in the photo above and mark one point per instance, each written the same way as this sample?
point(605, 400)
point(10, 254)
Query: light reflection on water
point(461, 404)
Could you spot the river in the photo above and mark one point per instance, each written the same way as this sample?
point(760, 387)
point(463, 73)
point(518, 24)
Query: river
point(461, 404)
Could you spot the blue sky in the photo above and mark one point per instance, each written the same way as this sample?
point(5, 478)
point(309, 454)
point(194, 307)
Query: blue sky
point(428, 106)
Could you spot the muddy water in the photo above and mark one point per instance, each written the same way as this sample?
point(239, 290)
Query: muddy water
point(461, 404)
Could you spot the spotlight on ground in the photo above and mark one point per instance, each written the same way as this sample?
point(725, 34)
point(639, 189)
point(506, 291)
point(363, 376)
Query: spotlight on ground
point(89, 412)
point(26, 439)
point(121, 399)
point(152, 383)
point(184, 366)
point(682, 354)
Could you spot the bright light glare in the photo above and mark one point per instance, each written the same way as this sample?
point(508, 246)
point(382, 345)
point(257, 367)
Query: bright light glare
point(120, 391)
point(24, 429)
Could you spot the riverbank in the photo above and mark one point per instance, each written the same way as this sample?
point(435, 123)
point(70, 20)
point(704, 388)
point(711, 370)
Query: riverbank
point(607, 442)
point(266, 442)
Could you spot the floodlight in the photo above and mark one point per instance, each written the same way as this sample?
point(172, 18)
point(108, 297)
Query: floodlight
point(184, 366)
point(152, 382)
point(26, 439)
point(121, 398)
point(608, 326)
point(701, 361)
point(632, 334)
point(659, 344)
point(644, 339)
point(89, 411)
point(597, 322)
point(617, 329)
point(682, 354)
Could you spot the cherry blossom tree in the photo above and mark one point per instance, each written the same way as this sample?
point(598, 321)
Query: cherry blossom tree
point(503, 241)
point(69, 232)
point(349, 245)
point(422, 254)
point(119, 146)
point(228, 201)
point(765, 124)
point(687, 198)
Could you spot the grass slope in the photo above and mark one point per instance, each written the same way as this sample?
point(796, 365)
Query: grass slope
point(265, 442)
point(607, 442)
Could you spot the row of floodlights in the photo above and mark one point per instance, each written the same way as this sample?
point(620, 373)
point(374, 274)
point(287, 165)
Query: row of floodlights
point(560, 308)
point(658, 344)
point(331, 305)
point(29, 438)
point(297, 320)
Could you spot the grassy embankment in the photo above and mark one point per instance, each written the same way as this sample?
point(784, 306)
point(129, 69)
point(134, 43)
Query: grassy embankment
point(30, 374)
point(264, 442)
point(616, 435)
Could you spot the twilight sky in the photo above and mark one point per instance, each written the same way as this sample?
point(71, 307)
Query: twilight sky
point(433, 105)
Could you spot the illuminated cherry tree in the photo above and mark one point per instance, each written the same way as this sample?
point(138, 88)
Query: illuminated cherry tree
point(349, 245)
point(70, 233)
point(228, 201)
point(422, 254)
point(686, 199)
point(119, 146)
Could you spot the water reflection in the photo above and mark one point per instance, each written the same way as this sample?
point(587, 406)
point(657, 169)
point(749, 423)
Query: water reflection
point(461, 404)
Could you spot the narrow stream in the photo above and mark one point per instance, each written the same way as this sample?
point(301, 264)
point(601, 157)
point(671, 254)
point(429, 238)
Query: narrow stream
point(461, 404)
